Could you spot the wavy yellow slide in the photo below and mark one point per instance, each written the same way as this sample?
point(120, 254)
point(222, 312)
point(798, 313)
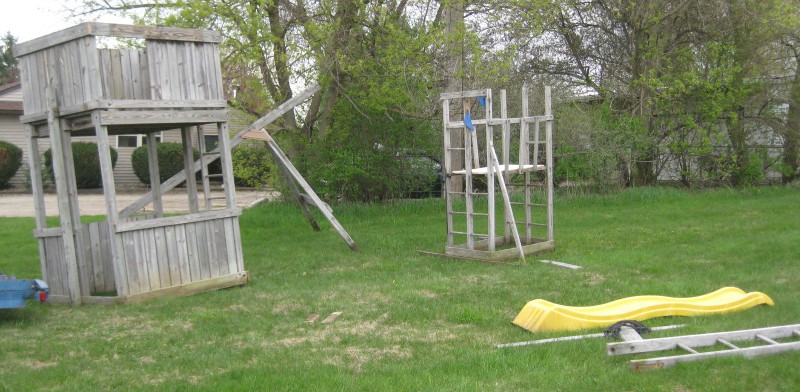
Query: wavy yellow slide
point(540, 315)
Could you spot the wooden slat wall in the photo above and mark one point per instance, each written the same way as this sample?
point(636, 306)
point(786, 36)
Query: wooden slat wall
point(96, 272)
point(76, 68)
point(174, 255)
point(125, 73)
point(184, 70)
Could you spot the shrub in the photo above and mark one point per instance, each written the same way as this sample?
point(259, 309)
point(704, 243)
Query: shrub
point(253, 166)
point(10, 161)
point(87, 164)
point(170, 161)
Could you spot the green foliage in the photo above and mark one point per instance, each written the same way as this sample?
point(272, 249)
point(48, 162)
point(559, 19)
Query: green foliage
point(8, 63)
point(253, 166)
point(170, 161)
point(87, 164)
point(10, 161)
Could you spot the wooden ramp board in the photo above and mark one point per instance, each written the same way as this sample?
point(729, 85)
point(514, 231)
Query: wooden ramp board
point(256, 135)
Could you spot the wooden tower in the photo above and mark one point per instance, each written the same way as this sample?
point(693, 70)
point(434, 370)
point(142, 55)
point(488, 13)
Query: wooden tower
point(74, 87)
point(521, 169)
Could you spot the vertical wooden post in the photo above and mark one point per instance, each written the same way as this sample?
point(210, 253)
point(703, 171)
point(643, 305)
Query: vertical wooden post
point(188, 162)
point(74, 208)
point(524, 150)
point(467, 138)
point(110, 194)
point(60, 171)
point(548, 111)
point(490, 172)
point(201, 144)
point(227, 165)
point(447, 170)
point(37, 188)
point(155, 177)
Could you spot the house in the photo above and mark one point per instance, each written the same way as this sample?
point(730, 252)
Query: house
point(12, 131)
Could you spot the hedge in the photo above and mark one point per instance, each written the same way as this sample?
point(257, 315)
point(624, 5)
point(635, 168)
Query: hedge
point(10, 161)
point(170, 161)
point(87, 164)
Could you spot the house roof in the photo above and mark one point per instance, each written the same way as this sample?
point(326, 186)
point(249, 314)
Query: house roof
point(6, 88)
point(10, 106)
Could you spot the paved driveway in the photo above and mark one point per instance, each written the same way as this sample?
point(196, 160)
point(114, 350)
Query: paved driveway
point(21, 205)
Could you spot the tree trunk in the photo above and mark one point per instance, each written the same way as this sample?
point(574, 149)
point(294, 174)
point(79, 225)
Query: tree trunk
point(453, 17)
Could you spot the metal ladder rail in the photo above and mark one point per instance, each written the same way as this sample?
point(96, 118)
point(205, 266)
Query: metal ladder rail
point(690, 342)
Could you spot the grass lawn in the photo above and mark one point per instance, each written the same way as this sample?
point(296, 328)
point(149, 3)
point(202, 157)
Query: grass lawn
point(414, 322)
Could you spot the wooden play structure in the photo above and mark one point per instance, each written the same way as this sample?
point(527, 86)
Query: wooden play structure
point(522, 170)
point(72, 86)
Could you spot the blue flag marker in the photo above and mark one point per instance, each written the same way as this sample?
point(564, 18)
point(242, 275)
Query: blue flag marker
point(482, 100)
point(468, 122)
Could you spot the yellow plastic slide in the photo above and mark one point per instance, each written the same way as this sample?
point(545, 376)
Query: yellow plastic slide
point(540, 315)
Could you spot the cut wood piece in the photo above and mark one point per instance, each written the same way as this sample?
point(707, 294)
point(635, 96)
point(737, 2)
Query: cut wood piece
point(257, 135)
point(481, 171)
point(312, 318)
point(332, 317)
point(560, 264)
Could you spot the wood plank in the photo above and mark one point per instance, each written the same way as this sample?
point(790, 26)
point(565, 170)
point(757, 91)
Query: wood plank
point(230, 245)
point(82, 75)
point(162, 257)
point(85, 262)
point(154, 69)
point(171, 255)
point(237, 241)
point(109, 273)
point(129, 258)
point(157, 104)
point(177, 220)
point(202, 253)
point(144, 74)
point(211, 248)
point(52, 261)
point(201, 143)
point(549, 161)
point(196, 287)
point(155, 176)
point(98, 272)
point(117, 75)
point(116, 30)
point(182, 260)
point(222, 247)
point(462, 94)
point(92, 63)
point(175, 82)
point(193, 258)
point(37, 191)
point(227, 164)
point(145, 117)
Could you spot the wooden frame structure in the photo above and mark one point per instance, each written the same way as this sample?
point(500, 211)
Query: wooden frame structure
point(74, 87)
point(526, 141)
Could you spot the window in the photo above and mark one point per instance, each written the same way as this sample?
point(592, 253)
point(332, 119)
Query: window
point(211, 141)
point(133, 141)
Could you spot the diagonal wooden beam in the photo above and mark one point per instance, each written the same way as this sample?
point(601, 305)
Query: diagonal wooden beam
point(262, 122)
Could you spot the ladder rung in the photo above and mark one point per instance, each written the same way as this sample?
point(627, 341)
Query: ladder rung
point(686, 348)
point(474, 234)
point(538, 224)
point(456, 148)
point(479, 214)
point(727, 343)
point(766, 339)
point(216, 198)
point(211, 153)
point(214, 176)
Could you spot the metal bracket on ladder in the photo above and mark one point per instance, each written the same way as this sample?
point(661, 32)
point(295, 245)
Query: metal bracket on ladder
point(689, 343)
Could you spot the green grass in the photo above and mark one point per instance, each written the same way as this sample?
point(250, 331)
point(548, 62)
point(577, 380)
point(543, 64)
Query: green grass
point(414, 322)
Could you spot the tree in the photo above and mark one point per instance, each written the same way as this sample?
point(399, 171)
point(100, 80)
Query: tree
point(8, 63)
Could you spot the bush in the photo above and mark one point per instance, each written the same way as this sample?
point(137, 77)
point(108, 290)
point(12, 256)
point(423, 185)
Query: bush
point(253, 166)
point(10, 161)
point(170, 161)
point(87, 164)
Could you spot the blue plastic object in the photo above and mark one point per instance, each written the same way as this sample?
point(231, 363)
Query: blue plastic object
point(14, 292)
point(482, 101)
point(468, 122)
